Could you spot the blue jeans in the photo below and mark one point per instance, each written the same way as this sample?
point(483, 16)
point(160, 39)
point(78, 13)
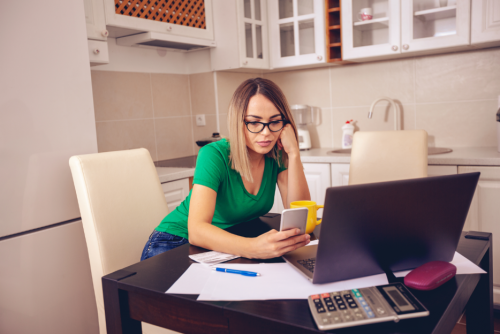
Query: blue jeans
point(160, 242)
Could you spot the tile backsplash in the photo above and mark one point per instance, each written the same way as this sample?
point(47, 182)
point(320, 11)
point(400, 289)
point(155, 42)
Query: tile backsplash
point(453, 97)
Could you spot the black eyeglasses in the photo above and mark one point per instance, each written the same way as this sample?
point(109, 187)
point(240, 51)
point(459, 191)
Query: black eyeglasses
point(274, 126)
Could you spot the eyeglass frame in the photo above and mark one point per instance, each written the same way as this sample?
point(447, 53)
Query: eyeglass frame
point(285, 122)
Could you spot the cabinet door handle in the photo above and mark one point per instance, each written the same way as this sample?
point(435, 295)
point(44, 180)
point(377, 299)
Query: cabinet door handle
point(406, 47)
point(320, 58)
point(96, 51)
point(394, 48)
point(104, 33)
point(169, 28)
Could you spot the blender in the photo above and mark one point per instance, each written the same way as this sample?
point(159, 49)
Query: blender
point(303, 115)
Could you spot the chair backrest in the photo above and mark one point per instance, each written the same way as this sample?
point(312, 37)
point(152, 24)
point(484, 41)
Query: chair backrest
point(121, 202)
point(379, 156)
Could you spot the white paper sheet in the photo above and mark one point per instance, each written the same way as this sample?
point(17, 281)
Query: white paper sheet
point(314, 242)
point(192, 281)
point(278, 281)
point(211, 258)
point(464, 266)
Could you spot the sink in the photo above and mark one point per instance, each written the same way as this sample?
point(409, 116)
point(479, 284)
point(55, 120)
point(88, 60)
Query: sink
point(430, 150)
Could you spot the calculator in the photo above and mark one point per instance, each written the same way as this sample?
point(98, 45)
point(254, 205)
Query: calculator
point(357, 307)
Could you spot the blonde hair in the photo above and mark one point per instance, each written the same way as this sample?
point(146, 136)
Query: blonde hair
point(236, 117)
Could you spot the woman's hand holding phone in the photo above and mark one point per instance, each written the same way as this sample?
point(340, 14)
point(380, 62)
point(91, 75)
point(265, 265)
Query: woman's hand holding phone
point(273, 243)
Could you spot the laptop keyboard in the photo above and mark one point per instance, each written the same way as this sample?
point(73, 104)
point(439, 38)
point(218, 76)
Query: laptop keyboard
point(308, 264)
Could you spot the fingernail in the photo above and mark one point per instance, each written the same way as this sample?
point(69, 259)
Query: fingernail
point(308, 236)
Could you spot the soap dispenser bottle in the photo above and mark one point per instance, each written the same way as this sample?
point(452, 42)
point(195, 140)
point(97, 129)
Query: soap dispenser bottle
point(347, 133)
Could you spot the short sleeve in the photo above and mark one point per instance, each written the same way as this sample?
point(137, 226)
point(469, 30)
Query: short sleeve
point(281, 166)
point(210, 168)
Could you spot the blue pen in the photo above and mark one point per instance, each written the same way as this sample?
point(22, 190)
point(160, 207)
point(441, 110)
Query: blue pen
point(240, 272)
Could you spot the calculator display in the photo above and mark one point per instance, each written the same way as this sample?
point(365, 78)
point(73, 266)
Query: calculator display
point(398, 299)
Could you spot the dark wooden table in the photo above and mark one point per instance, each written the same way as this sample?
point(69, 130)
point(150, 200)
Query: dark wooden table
point(137, 293)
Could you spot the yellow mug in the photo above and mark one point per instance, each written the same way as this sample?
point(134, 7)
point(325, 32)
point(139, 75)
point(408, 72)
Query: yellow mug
point(312, 217)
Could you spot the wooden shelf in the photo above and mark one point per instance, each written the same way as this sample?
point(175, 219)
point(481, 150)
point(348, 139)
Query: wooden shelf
point(333, 31)
point(437, 13)
point(380, 23)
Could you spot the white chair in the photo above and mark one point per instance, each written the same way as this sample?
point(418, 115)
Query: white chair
point(387, 156)
point(121, 202)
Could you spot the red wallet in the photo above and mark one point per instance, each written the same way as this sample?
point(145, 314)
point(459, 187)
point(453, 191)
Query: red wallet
point(430, 275)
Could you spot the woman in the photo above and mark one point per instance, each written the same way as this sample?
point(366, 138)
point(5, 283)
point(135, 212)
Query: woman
point(235, 180)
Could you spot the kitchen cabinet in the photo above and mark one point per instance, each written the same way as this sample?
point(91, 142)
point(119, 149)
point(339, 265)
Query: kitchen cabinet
point(296, 32)
point(241, 23)
point(427, 27)
point(485, 22)
point(318, 180)
point(97, 34)
point(94, 18)
point(484, 212)
point(98, 52)
point(400, 27)
point(175, 192)
point(191, 19)
point(380, 36)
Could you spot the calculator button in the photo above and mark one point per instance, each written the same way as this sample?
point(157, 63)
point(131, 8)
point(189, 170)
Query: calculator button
point(353, 305)
point(320, 310)
point(326, 320)
point(314, 297)
point(331, 308)
point(335, 294)
point(370, 314)
point(325, 295)
point(348, 296)
point(358, 316)
point(342, 307)
point(336, 319)
point(337, 297)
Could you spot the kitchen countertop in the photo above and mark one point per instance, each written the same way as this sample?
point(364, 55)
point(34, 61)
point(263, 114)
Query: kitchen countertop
point(167, 174)
point(461, 156)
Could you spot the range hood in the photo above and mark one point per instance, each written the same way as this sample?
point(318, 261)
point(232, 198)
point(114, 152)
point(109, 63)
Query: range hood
point(161, 40)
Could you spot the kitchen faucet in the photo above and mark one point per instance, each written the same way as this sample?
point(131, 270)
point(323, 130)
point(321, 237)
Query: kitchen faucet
point(397, 112)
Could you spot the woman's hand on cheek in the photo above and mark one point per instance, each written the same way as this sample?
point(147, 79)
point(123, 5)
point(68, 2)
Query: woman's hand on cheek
point(287, 140)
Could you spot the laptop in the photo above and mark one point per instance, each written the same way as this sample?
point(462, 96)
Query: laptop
point(369, 229)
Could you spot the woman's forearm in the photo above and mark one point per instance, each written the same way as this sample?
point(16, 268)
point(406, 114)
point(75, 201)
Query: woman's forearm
point(212, 237)
point(298, 189)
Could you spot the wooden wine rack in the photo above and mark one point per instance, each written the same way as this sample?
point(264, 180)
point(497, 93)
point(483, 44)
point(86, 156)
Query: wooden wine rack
point(187, 13)
point(333, 31)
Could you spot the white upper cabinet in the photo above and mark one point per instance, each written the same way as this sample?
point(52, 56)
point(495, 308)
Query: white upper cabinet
point(178, 18)
point(296, 32)
point(434, 24)
point(241, 23)
point(379, 36)
point(397, 27)
point(485, 22)
point(94, 17)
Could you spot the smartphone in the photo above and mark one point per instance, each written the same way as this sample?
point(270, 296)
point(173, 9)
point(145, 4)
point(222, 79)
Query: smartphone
point(294, 218)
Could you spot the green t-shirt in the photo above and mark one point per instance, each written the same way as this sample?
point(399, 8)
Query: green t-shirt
point(234, 203)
